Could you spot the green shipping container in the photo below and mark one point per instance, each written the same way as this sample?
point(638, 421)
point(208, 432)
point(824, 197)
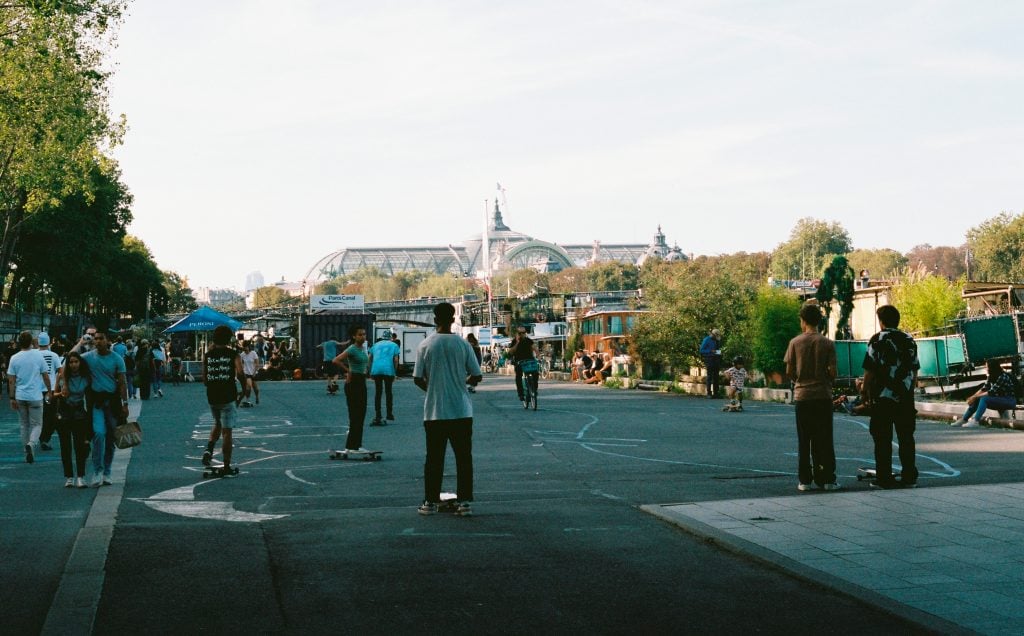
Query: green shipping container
point(936, 356)
point(990, 337)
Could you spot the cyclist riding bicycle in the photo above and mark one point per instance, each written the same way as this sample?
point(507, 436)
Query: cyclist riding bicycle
point(522, 350)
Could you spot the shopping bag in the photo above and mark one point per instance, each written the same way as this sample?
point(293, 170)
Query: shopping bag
point(127, 434)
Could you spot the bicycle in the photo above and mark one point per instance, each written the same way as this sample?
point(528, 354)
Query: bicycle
point(531, 371)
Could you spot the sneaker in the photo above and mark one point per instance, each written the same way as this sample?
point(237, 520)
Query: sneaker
point(833, 486)
point(427, 508)
point(959, 423)
point(29, 455)
point(463, 509)
point(69, 482)
point(207, 458)
point(227, 472)
point(97, 481)
point(908, 484)
point(80, 482)
point(45, 446)
point(159, 393)
point(971, 424)
point(806, 487)
point(377, 422)
point(106, 482)
point(471, 389)
point(362, 450)
point(885, 485)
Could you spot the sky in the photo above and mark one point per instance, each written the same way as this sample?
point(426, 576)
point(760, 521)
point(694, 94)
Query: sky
point(265, 135)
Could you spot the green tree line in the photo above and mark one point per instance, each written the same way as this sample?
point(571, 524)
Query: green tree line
point(64, 209)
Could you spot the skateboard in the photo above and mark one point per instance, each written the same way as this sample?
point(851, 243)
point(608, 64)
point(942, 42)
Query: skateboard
point(366, 456)
point(733, 408)
point(217, 470)
point(866, 472)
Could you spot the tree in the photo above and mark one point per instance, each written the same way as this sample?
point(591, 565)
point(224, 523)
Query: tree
point(54, 116)
point(837, 284)
point(179, 296)
point(774, 321)
point(519, 282)
point(997, 249)
point(942, 260)
point(269, 296)
point(927, 303)
point(882, 263)
point(809, 250)
point(687, 299)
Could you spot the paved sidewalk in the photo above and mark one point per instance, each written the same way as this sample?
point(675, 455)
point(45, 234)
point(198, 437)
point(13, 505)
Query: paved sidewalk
point(951, 558)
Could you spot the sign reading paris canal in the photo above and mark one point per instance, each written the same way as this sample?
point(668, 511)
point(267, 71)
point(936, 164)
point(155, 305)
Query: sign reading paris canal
point(337, 302)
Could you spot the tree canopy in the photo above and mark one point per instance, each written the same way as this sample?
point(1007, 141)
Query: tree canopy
point(997, 249)
point(809, 250)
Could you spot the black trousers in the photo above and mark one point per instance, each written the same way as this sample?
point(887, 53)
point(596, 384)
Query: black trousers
point(355, 397)
point(816, 453)
point(386, 381)
point(713, 365)
point(460, 434)
point(887, 415)
point(74, 434)
point(49, 420)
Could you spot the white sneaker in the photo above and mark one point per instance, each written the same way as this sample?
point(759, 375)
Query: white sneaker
point(971, 424)
point(833, 486)
point(80, 482)
point(97, 480)
point(69, 482)
point(806, 487)
point(959, 423)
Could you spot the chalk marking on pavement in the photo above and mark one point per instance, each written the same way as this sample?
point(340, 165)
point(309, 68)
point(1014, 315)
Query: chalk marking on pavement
point(291, 475)
point(182, 502)
point(412, 532)
point(950, 471)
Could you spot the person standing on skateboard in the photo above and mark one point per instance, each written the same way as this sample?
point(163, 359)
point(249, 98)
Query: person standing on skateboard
point(811, 364)
point(890, 370)
point(353, 362)
point(221, 366)
point(445, 365)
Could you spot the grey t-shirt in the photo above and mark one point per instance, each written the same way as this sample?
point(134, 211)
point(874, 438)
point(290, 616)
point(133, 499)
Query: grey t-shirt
point(445, 360)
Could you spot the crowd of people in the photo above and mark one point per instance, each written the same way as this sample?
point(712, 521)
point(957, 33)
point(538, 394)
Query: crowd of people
point(591, 367)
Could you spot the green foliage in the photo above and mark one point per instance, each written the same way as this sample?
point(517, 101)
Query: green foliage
point(927, 303)
point(687, 299)
point(774, 321)
point(883, 263)
point(997, 249)
point(603, 276)
point(269, 296)
point(811, 246)
point(837, 284)
point(179, 296)
point(54, 119)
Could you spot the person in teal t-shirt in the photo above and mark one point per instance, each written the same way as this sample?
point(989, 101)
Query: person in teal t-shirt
point(353, 362)
point(383, 367)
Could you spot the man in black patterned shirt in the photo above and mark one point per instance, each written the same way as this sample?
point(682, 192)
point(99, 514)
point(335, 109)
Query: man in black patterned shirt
point(890, 371)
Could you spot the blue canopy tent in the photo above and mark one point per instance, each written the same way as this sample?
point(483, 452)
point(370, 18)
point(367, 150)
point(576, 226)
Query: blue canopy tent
point(204, 319)
point(198, 322)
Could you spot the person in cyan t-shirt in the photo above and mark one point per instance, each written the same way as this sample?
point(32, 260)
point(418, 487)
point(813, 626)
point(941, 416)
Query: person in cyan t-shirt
point(221, 367)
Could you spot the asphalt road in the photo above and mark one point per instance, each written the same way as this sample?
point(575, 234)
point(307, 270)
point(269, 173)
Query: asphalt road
point(299, 543)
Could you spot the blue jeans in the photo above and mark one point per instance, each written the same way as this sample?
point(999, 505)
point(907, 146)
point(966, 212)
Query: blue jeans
point(989, 402)
point(103, 423)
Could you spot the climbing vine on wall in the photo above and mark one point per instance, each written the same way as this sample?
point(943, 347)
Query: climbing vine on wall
point(837, 284)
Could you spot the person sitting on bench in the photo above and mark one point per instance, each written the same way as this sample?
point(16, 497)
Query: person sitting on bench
point(999, 393)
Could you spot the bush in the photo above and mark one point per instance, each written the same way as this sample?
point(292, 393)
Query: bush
point(774, 321)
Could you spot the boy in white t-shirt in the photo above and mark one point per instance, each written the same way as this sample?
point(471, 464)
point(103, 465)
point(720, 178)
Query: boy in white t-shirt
point(737, 375)
point(445, 365)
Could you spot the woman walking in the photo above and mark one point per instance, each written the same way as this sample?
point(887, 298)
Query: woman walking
point(74, 423)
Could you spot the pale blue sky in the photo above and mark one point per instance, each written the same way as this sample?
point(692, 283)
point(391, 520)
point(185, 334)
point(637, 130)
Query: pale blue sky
point(297, 128)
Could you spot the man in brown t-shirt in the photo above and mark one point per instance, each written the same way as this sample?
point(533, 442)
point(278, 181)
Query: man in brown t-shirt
point(811, 364)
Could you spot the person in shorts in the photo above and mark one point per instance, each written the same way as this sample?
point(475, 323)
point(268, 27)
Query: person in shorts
point(250, 363)
point(327, 367)
point(222, 365)
point(737, 375)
